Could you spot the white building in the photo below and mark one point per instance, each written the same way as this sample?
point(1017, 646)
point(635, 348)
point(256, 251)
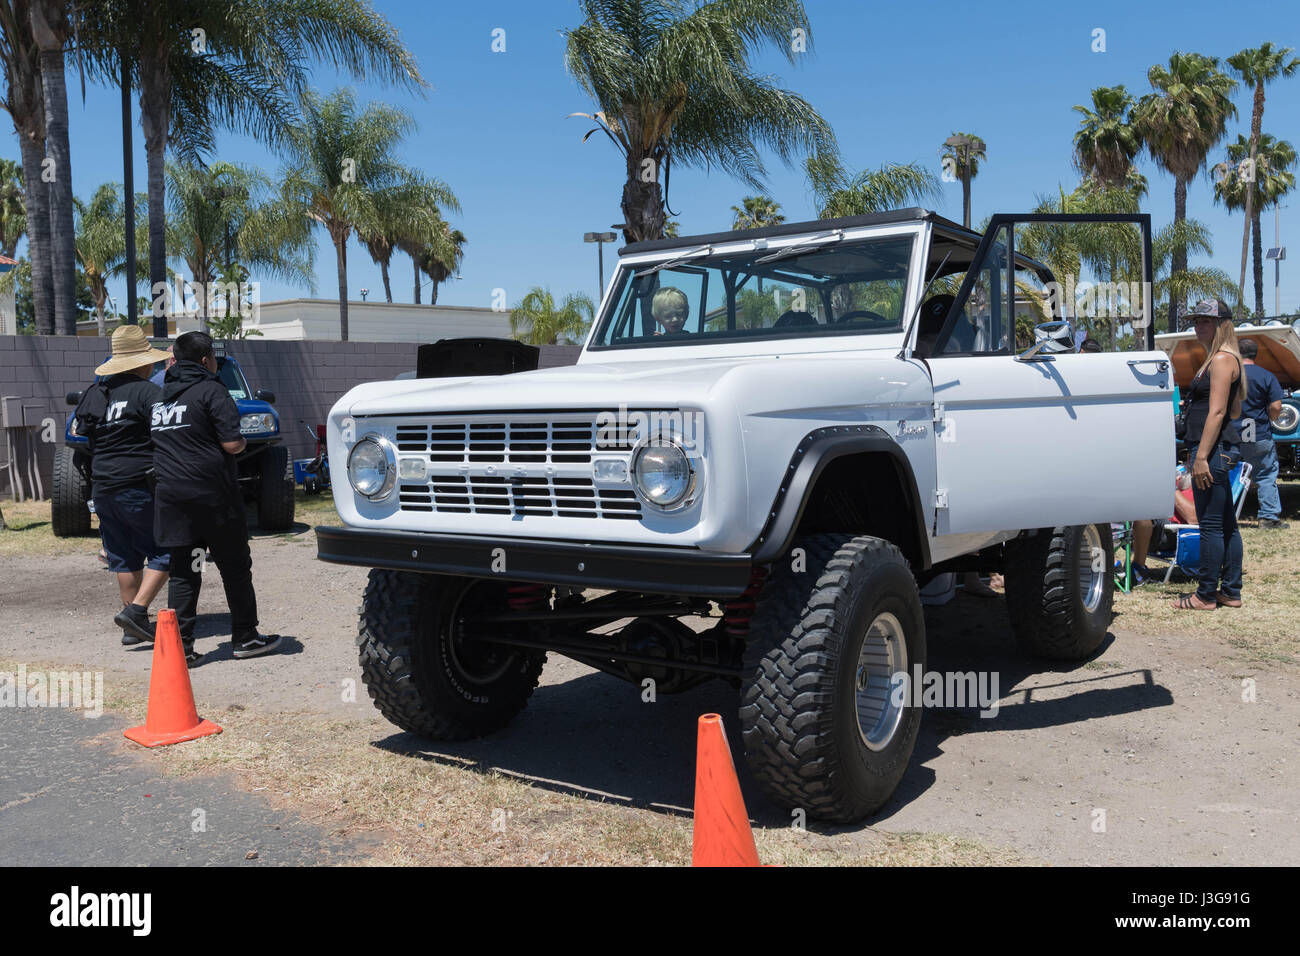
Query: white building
point(318, 319)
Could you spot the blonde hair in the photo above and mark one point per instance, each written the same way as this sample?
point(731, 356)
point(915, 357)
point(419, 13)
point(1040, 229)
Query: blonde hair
point(1225, 340)
point(669, 301)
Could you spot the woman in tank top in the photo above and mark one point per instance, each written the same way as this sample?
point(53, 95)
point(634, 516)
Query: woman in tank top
point(1214, 401)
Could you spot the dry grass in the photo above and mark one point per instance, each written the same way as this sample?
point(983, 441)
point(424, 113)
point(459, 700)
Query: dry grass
point(31, 534)
point(416, 808)
point(1265, 628)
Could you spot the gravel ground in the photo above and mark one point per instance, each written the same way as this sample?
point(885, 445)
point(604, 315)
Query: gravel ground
point(1153, 737)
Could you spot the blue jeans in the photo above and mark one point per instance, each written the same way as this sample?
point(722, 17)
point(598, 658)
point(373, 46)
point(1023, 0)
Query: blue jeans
point(1262, 458)
point(1221, 552)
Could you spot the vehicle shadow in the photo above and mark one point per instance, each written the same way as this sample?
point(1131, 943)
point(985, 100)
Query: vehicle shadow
point(592, 736)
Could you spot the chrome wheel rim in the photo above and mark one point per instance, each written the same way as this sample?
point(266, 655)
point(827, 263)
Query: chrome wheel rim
point(883, 654)
point(1091, 581)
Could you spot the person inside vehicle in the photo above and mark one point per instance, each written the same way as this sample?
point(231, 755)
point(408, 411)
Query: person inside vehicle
point(1146, 533)
point(670, 308)
point(1090, 345)
point(1213, 405)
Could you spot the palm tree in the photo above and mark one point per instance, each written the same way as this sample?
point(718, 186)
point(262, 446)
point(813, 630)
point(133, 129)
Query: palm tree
point(52, 29)
point(674, 85)
point(1106, 142)
point(757, 212)
point(1270, 180)
point(101, 246)
point(246, 73)
point(25, 103)
point(1180, 121)
point(444, 259)
point(226, 220)
point(434, 247)
point(1258, 67)
point(13, 213)
point(961, 154)
point(344, 171)
point(871, 190)
point(537, 321)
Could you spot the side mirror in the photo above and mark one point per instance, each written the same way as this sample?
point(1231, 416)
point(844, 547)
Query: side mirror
point(263, 395)
point(1050, 338)
point(73, 399)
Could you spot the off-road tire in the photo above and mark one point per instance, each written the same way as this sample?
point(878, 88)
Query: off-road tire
point(275, 501)
point(69, 516)
point(410, 668)
point(798, 709)
point(1044, 594)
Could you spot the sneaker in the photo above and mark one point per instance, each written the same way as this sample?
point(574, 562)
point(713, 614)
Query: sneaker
point(192, 657)
point(256, 645)
point(1273, 524)
point(134, 622)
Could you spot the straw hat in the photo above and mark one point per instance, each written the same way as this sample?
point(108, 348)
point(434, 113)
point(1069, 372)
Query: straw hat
point(131, 349)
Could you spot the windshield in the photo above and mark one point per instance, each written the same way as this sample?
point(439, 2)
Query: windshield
point(233, 379)
point(845, 287)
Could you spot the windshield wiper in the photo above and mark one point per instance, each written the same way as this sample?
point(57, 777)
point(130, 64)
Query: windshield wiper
point(800, 246)
point(693, 254)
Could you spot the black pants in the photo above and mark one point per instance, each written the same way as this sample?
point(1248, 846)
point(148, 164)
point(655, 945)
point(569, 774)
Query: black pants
point(228, 542)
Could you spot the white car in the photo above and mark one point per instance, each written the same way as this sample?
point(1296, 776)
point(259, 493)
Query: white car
point(770, 439)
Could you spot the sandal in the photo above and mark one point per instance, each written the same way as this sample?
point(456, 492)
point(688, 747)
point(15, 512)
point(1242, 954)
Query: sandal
point(1225, 601)
point(1188, 602)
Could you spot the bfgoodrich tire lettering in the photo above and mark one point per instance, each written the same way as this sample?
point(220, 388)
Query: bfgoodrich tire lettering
point(424, 678)
point(798, 704)
point(1046, 578)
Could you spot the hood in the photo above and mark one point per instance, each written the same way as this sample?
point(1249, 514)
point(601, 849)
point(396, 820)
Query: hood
point(182, 376)
point(765, 382)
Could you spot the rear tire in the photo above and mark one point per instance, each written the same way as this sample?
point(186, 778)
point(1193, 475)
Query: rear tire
point(275, 503)
point(69, 494)
point(422, 672)
point(1059, 591)
point(820, 726)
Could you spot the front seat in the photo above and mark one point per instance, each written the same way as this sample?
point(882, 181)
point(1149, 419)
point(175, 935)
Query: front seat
point(791, 318)
point(930, 323)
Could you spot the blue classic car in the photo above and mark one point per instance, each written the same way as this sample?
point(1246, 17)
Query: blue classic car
point(265, 471)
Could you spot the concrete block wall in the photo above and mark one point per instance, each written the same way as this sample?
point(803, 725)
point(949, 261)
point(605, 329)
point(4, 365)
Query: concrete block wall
point(307, 378)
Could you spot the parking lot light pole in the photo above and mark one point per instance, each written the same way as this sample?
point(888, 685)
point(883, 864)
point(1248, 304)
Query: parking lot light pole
point(600, 238)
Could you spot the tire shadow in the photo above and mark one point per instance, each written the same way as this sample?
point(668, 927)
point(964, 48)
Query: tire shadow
point(593, 737)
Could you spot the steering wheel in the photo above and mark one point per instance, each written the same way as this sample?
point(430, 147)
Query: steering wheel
point(861, 314)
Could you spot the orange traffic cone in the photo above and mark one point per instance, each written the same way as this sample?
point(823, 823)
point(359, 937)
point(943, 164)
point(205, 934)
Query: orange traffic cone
point(172, 717)
point(722, 834)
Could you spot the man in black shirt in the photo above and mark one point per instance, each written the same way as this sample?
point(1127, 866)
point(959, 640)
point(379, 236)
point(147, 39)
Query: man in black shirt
point(196, 438)
point(114, 417)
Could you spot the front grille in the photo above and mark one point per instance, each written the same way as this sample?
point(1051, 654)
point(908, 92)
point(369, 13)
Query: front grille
point(540, 497)
point(474, 464)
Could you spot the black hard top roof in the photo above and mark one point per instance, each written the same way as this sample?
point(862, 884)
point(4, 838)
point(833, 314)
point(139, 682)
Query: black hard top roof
point(913, 214)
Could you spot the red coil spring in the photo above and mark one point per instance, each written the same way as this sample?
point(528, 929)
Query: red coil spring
point(526, 597)
point(738, 611)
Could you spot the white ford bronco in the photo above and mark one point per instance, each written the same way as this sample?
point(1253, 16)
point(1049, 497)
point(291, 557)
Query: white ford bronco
point(771, 440)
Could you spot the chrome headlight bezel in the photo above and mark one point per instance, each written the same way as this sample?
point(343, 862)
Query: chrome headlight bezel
point(389, 451)
point(689, 491)
point(257, 423)
point(1287, 421)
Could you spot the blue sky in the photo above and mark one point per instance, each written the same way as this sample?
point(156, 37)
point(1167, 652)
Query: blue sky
point(894, 80)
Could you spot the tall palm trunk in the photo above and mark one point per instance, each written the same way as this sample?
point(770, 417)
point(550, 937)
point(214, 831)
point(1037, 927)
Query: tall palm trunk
point(388, 289)
point(433, 293)
point(1258, 266)
point(416, 264)
point(341, 251)
point(1178, 261)
point(155, 118)
point(965, 201)
point(1256, 121)
point(643, 202)
point(38, 236)
point(49, 29)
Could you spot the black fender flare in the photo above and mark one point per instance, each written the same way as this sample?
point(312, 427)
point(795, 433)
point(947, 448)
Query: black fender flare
point(816, 450)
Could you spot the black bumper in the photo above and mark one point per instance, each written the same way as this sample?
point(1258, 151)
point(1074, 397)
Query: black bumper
point(617, 567)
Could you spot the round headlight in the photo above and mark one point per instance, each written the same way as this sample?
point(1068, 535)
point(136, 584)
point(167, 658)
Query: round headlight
point(372, 467)
point(662, 474)
point(1287, 421)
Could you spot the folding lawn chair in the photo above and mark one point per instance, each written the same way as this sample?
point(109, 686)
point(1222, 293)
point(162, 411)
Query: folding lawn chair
point(1186, 553)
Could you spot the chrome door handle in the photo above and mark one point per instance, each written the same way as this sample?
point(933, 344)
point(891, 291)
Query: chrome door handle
point(1161, 364)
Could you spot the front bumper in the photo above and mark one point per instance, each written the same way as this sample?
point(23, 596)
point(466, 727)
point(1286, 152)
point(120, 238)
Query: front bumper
point(617, 567)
